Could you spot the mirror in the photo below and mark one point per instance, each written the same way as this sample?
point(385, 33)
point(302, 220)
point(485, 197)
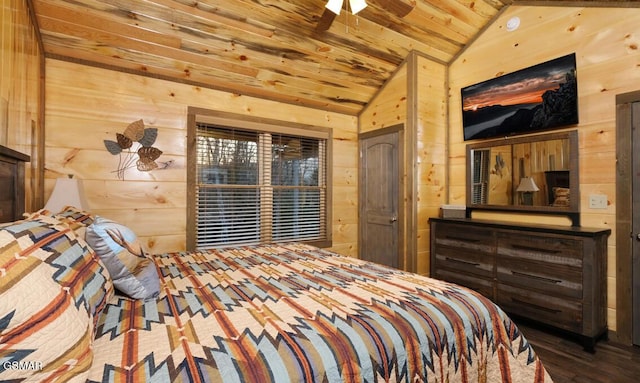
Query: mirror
point(533, 173)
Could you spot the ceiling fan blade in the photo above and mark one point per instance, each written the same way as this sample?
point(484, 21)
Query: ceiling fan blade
point(397, 7)
point(325, 20)
point(400, 8)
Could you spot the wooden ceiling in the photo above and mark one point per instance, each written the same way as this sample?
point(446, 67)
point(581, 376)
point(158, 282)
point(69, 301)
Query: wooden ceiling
point(264, 48)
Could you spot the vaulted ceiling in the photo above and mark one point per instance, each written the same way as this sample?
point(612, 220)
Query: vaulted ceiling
point(265, 48)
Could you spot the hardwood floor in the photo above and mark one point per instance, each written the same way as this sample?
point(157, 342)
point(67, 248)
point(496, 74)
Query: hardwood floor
point(567, 362)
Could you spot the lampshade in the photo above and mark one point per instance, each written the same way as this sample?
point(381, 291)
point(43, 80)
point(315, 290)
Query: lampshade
point(67, 192)
point(527, 185)
point(356, 6)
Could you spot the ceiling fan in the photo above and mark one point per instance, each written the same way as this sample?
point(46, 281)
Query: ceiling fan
point(333, 8)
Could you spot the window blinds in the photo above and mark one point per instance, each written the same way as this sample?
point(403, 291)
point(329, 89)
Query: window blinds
point(481, 176)
point(258, 187)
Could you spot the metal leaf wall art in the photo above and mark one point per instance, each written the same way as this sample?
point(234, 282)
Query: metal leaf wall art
point(135, 148)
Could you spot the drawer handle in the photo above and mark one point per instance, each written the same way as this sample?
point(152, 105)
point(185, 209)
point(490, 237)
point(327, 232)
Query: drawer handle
point(475, 264)
point(537, 307)
point(536, 277)
point(523, 247)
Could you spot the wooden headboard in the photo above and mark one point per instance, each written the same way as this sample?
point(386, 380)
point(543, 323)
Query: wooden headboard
point(11, 184)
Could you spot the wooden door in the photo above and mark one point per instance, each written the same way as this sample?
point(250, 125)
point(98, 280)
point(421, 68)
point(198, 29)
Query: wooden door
point(379, 194)
point(635, 164)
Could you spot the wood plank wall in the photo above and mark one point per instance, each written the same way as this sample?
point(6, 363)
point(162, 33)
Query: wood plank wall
point(606, 42)
point(389, 106)
point(430, 114)
point(20, 91)
point(86, 105)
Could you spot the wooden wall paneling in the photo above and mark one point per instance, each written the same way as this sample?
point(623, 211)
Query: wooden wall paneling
point(149, 222)
point(87, 105)
point(596, 167)
point(605, 43)
point(21, 68)
point(429, 90)
point(410, 188)
point(389, 106)
point(345, 191)
point(597, 135)
point(456, 164)
point(171, 141)
point(598, 84)
point(131, 195)
point(101, 165)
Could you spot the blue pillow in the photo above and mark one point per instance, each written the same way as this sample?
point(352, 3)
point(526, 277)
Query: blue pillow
point(132, 271)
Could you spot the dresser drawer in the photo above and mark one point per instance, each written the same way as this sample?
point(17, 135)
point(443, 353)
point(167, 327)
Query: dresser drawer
point(7, 191)
point(467, 268)
point(560, 312)
point(554, 251)
point(465, 237)
point(482, 285)
point(465, 261)
point(554, 280)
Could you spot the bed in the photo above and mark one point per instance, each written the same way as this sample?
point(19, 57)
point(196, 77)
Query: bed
point(264, 313)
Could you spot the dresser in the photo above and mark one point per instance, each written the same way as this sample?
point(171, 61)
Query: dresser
point(11, 184)
point(554, 275)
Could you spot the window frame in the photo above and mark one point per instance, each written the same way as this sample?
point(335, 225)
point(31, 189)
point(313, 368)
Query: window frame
point(263, 125)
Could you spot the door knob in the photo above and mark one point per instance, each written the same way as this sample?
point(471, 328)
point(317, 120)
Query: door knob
point(394, 219)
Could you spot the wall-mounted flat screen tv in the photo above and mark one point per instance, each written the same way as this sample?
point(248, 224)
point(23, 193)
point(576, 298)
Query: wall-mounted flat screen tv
point(541, 97)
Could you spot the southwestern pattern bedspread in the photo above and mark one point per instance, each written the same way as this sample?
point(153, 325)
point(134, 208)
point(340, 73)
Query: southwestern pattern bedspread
point(295, 313)
point(279, 313)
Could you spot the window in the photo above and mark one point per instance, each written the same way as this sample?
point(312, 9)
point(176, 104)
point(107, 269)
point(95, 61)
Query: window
point(481, 176)
point(257, 186)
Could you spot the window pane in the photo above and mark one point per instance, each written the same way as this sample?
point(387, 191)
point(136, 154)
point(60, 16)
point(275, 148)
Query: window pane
point(227, 156)
point(227, 216)
point(295, 161)
point(297, 214)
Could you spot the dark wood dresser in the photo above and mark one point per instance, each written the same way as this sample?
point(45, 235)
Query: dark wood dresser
point(554, 275)
point(11, 184)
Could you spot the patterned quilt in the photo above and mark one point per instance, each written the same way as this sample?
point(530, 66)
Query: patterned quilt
point(296, 313)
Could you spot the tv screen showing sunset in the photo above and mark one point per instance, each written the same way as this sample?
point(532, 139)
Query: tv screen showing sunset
point(540, 97)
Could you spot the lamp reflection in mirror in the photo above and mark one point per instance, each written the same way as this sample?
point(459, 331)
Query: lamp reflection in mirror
point(356, 6)
point(67, 192)
point(526, 188)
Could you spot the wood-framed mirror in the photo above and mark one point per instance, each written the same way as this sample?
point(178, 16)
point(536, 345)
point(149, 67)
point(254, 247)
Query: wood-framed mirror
point(537, 174)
